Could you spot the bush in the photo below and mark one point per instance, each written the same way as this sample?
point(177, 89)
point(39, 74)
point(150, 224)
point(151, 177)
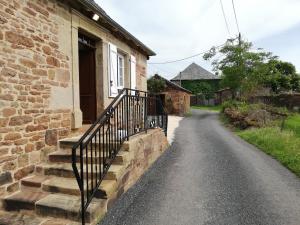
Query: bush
point(155, 86)
point(243, 115)
point(230, 104)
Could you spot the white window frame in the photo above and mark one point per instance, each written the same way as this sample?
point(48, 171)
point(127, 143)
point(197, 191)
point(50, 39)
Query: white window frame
point(121, 82)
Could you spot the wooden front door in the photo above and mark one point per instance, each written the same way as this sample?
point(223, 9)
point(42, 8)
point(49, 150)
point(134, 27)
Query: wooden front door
point(87, 83)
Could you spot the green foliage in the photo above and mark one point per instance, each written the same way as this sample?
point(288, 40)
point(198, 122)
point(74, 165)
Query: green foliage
point(215, 108)
point(245, 107)
point(244, 70)
point(292, 123)
point(155, 86)
point(206, 88)
point(281, 76)
point(231, 104)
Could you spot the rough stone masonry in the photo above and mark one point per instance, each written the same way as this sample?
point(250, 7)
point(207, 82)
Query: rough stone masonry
point(30, 65)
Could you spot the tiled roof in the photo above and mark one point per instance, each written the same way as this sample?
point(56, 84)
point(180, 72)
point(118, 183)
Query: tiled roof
point(170, 83)
point(195, 72)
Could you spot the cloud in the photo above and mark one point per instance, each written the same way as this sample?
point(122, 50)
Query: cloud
point(176, 29)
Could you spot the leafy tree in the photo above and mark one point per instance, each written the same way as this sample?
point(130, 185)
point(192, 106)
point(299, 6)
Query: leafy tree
point(295, 82)
point(241, 67)
point(281, 76)
point(245, 69)
point(155, 85)
point(204, 88)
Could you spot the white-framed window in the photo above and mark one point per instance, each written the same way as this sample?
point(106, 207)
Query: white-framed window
point(121, 71)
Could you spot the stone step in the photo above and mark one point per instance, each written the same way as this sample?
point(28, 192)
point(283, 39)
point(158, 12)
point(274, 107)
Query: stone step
point(61, 185)
point(66, 170)
point(70, 186)
point(65, 156)
point(23, 200)
point(33, 181)
point(70, 142)
point(69, 207)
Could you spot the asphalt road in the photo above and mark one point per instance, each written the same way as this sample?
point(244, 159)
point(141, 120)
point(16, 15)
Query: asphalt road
point(210, 177)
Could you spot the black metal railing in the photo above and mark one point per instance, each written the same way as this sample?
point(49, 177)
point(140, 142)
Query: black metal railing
point(130, 113)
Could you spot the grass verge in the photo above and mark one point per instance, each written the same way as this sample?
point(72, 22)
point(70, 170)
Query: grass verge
point(215, 108)
point(293, 123)
point(282, 145)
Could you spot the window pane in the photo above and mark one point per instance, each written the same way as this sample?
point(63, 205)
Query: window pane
point(120, 71)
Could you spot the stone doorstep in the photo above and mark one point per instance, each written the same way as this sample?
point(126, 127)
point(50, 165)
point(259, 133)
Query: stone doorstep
point(68, 207)
point(65, 156)
point(23, 200)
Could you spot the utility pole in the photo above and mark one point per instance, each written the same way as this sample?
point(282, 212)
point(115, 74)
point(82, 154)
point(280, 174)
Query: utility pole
point(180, 78)
point(240, 54)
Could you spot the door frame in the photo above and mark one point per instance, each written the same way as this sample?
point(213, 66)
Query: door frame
point(91, 46)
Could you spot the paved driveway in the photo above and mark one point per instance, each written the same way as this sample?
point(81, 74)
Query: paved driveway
point(210, 177)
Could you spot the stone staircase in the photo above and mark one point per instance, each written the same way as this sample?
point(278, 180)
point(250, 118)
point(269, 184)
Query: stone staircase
point(52, 191)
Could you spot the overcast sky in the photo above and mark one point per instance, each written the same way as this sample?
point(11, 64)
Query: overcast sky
point(176, 29)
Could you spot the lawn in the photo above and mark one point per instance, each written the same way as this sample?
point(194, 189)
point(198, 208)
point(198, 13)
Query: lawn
point(282, 145)
point(216, 108)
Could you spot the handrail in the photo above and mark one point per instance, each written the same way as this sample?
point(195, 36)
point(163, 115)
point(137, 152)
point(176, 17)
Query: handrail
point(128, 114)
point(99, 118)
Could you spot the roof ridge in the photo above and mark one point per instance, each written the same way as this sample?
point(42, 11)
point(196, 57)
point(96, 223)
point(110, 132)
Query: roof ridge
point(195, 72)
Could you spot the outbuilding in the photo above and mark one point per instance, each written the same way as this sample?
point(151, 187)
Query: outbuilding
point(175, 98)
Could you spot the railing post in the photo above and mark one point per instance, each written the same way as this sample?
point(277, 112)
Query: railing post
point(167, 121)
point(82, 186)
point(127, 116)
point(146, 112)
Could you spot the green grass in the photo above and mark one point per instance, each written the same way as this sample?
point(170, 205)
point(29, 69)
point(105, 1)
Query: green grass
point(216, 108)
point(292, 123)
point(283, 146)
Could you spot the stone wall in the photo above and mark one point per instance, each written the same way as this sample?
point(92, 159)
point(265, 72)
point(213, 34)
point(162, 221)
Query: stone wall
point(177, 102)
point(291, 101)
point(31, 64)
point(144, 149)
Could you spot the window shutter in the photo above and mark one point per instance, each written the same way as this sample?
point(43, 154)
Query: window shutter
point(133, 72)
point(113, 70)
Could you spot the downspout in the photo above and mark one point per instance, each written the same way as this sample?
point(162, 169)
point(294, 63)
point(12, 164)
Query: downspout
point(72, 71)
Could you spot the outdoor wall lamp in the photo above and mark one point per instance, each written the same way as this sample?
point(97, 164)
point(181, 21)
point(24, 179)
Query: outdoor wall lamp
point(96, 17)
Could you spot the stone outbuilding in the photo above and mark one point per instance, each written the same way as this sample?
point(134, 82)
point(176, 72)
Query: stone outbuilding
point(175, 98)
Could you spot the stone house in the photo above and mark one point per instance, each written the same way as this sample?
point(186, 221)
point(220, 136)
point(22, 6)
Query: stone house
point(175, 98)
point(61, 64)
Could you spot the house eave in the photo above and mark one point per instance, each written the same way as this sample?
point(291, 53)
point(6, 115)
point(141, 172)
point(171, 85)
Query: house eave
point(116, 28)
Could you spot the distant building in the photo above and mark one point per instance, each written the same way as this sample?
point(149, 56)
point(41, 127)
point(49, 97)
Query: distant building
point(175, 98)
point(195, 74)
